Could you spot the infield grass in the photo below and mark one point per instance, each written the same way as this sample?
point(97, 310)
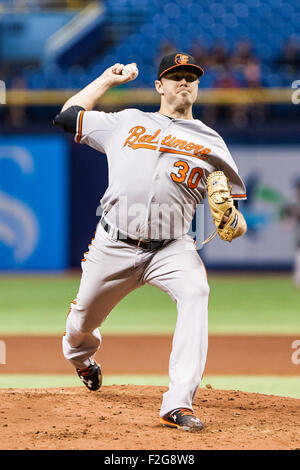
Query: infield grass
point(238, 305)
point(287, 386)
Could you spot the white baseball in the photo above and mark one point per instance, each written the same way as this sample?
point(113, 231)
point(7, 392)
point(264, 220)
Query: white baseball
point(130, 68)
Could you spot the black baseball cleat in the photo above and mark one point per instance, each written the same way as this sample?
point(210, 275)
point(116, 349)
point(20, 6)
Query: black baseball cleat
point(91, 376)
point(183, 419)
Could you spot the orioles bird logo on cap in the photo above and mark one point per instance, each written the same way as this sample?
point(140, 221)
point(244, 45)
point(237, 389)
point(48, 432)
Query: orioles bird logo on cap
point(181, 59)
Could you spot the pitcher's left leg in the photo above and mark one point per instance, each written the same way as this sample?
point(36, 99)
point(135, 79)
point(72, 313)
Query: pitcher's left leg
point(178, 270)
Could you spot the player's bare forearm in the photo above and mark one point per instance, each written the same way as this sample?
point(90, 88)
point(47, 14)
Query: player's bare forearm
point(92, 93)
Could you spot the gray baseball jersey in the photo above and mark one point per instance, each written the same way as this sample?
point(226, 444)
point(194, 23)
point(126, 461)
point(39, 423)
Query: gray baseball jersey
point(157, 169)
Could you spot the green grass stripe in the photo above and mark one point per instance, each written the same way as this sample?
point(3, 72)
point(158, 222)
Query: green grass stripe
point(238, 305)
point(288, 386)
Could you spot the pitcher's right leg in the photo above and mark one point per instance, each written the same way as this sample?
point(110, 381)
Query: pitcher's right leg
point(107, 277)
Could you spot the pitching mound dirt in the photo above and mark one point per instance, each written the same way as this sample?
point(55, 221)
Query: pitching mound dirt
point(126, 417)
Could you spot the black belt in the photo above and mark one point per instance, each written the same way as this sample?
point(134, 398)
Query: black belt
point(145, 244)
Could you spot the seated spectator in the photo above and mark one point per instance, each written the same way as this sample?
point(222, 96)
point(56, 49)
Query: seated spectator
point(228, 113)
point(218, 56)
point(242, 54)
point(252, 74)
point(289, 58)
point(226, 79)
point(199, 52)
point(166, 47)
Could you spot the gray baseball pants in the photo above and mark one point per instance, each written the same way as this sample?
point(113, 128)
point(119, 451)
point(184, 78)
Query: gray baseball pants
point(111, 270)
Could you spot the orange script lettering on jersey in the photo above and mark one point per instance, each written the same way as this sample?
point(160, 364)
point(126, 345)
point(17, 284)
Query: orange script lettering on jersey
point(139, 139)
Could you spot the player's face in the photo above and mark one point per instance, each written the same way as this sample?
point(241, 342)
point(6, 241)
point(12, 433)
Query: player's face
point(179, 86)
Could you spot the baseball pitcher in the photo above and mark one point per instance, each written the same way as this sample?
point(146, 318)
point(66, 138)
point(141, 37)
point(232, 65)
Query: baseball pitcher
point(161, 165)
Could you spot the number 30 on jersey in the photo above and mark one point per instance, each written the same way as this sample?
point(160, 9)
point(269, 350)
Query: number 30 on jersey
point(184, 174)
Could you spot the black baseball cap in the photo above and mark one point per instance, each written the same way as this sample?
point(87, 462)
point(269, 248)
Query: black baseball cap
point(176, 60)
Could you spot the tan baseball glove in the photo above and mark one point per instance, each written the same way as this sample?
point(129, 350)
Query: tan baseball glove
point(228, 220)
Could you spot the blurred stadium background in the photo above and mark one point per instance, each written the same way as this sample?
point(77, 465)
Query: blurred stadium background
point(50, 187)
